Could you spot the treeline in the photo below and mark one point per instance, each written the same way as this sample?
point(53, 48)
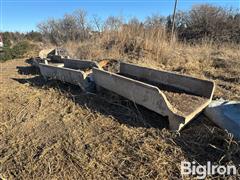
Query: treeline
point(11, 38)
point(207, 21)
point(201, 22)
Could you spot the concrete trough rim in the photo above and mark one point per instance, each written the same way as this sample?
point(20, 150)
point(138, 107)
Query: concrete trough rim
point(64, 68)
point(140, 83)
point(171, 112)
point(78, 79)
point(171, 72)
point(88, 62)
point(180, 75)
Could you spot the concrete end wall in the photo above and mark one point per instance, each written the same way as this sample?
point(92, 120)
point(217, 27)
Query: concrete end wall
point(189, 84)
point(35, 63)
point(79, 64)
point(56, 59)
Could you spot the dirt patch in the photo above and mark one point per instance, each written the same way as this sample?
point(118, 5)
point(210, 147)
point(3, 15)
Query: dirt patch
point(184, 102)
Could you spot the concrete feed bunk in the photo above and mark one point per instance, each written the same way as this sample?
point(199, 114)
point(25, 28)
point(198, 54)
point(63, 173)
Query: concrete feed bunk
point(73, 71)
point(176, 96)
point(64, 74)
point(79, 64)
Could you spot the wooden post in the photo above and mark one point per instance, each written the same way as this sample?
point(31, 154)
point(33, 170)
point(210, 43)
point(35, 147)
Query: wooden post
point(173, 20)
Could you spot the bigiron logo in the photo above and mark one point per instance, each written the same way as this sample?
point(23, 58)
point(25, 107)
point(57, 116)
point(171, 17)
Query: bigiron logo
point(202, 171)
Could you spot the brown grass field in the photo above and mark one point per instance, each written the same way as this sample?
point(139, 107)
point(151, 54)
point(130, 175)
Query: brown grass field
point(51, 130)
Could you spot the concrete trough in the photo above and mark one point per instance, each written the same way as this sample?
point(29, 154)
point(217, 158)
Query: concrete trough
point(226, 114)
point(72, 76)
point(79, 64)
point(176, 96)
point(36, 61)
point(57, 55)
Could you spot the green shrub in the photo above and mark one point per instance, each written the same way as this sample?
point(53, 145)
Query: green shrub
point(34, 36)
point(17, 51)
point(20, 49)
point(5, 54)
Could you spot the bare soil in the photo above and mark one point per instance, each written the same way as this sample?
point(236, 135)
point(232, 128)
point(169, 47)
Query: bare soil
point(184, 102)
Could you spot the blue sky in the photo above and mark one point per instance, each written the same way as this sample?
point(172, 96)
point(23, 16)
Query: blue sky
point(24, 15)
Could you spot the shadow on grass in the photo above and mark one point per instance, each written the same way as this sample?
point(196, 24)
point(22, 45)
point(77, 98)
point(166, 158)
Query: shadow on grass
point(104, 102)
point(200, 140)
point(27, 70)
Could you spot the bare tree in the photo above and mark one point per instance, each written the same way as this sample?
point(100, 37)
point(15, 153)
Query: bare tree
point(155, 21)
point(83, 26)
point(210, 21)
point(113, 23)
point(97, 22)
point(71, 27)
point(68, 27)
point(51, 31)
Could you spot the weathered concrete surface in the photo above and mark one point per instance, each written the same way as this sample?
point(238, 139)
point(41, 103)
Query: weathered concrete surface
point(55, 64)
point(225, 114)
point(189, 84)
point(58, 54)
point(79, 64)
point(62, 52)
point(56, 58)
point(150, 96)
point(71, 76)
point(35, 63)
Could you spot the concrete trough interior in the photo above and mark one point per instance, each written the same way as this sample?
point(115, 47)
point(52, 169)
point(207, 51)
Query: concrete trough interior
point(79, 64)
point(176, 96)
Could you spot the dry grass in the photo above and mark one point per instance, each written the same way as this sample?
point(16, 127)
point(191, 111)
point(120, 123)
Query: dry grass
point(51, 130)
point(220, 62)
